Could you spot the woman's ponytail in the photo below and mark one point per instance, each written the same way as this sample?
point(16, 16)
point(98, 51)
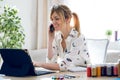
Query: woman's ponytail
point(76, 22)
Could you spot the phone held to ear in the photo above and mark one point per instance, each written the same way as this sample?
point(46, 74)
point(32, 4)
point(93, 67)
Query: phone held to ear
point(51, 28)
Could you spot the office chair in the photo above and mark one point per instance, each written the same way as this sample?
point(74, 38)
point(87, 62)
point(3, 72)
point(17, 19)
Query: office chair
point(97, 50)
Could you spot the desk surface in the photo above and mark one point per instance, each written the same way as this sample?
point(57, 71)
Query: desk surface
point(79, 76)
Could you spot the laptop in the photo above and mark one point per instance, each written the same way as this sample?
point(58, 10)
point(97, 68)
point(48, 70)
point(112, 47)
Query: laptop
point(17, 62)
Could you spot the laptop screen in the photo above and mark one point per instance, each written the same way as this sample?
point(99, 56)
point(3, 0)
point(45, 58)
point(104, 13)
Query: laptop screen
point(16, 62)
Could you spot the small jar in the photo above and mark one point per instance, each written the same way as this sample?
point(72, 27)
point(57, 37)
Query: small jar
point(93, 71)
point(115, 69)
point(89, 70)
point(119, 68)
point(98, 70)
point(103, 69)
point(109, 70)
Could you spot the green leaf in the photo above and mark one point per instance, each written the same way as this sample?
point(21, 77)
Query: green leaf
point(109, 32)
point(10, 26)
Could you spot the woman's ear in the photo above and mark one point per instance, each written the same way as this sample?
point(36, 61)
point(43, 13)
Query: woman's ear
point(68, 20)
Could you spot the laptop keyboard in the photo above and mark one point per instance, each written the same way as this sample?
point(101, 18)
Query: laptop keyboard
point(41, 71)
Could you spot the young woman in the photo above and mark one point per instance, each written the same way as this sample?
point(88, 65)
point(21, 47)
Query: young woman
point(67, 46)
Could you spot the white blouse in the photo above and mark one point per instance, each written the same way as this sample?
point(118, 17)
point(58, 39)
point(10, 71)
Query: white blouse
point(75, 54)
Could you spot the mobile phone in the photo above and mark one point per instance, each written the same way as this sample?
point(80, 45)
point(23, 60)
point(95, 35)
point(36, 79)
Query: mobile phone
point(51, 28)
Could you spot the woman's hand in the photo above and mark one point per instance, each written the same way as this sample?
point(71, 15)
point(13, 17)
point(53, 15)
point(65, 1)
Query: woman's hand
point(51, 35)
point(37, 64)
point(50, 40)
point(51, 66)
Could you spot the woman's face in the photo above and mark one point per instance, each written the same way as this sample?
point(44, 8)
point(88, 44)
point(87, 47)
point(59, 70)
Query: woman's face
point(57, 21)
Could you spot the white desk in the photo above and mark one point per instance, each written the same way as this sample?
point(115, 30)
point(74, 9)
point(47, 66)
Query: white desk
point(79, 76)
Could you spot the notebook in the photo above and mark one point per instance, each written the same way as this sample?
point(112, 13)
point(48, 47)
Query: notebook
point(17, 62)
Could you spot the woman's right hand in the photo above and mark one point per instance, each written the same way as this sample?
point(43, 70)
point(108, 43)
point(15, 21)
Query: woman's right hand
point(51, 34)
point(50, 41)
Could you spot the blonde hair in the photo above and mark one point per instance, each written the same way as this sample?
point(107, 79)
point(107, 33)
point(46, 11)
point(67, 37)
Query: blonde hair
point(65, 13)
point(76, 22)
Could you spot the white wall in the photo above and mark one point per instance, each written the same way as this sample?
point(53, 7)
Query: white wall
point(97, 16)
point(27, 12)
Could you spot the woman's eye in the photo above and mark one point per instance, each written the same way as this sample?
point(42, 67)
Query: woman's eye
point(56, 18)
point(51, 19)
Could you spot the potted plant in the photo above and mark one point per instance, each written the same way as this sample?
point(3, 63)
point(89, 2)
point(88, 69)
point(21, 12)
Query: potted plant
point(11, 31)
point(108, 34)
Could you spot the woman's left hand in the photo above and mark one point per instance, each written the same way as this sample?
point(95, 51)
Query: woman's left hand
point(37, 64)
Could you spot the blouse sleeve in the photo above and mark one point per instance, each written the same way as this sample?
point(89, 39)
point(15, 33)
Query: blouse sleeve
point(56, 48)
point(78, 55)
